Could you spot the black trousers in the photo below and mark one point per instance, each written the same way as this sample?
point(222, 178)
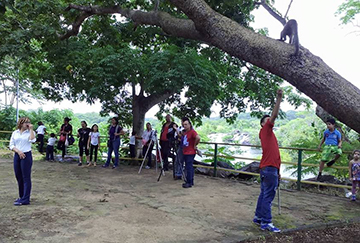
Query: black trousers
point(40, 139)
point(165, 150)
point(132, 150)
point(93, 148)
point(50, 152)
point(149, 155)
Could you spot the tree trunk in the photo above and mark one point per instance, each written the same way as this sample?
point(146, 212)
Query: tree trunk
point(142, 104)
point(138, 117)
point(306, 72)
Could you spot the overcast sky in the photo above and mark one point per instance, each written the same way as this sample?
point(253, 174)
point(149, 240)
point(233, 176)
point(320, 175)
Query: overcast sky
point(319, 31)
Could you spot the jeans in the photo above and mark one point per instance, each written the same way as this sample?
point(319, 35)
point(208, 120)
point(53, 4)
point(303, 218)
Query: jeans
point(269, 183)
point(189, 168)
point(113, 146)
point(22, 169)
point(49, 152)
point(179, 166)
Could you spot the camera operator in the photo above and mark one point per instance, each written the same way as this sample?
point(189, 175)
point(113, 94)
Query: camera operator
point(179, 162)
point(148, 140)
point(166, 138)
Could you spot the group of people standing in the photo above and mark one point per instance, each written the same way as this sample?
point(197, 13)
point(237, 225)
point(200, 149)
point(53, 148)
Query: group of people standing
point(186, 140)
point(183, 141)
point(89, 141)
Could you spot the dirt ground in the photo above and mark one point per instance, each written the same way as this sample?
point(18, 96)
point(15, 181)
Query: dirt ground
point(79, 204)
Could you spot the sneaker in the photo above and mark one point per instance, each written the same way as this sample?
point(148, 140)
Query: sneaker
point(87, 163)
point(114, 167)
point(257, 221)
point(186, 185)
point(330, 163)
point(94, 164)
point(270, 227)
point(147, 167)
point(79, 164)
point(20, 204)
point(105, 166)
point(353, 198)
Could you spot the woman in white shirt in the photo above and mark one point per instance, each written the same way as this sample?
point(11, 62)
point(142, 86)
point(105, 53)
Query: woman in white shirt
point(148, 139)
point(20, 143)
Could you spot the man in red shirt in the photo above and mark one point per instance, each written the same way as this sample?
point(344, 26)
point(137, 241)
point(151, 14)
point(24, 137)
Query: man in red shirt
point(189, 141)
point(269, 169)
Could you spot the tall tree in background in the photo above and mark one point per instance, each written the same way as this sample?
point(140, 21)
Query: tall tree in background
point(133, 71)
point(306, 72)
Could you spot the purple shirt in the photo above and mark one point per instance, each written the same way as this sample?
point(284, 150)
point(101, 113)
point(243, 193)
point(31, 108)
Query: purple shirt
point(112, 131)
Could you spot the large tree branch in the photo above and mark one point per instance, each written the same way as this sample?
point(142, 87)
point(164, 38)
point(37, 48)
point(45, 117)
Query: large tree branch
point(155, 99)
point(184, 28)
point(306, 71)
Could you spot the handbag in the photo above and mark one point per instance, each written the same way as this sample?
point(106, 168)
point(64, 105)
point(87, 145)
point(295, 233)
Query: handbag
point(71, 140)
point(60, 145)
point(66, 142)
point(62, 138)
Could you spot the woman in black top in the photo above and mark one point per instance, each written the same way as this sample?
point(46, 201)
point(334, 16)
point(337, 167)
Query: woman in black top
point(83, 135)
point(65, 131)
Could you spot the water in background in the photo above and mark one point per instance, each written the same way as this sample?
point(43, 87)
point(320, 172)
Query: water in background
point(250, 152)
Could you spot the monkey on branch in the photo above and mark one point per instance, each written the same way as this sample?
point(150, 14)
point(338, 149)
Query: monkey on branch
point(291, 30)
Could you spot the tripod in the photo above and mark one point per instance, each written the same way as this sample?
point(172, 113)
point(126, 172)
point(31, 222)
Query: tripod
point(157, 150)
point(176, 161)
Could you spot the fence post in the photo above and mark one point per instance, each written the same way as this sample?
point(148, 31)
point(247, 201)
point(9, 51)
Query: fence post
point(299, 169)
point(215, 159)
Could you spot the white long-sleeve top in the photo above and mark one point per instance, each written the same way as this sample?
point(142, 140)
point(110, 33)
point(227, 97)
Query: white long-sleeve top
point(21, 141)
point(147, 135)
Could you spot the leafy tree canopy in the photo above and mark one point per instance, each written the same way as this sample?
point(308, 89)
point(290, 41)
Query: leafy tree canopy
point(349, 9)
point(110, 62)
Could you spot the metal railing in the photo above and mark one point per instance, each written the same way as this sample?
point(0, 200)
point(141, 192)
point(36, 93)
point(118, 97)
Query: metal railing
point(299, 163)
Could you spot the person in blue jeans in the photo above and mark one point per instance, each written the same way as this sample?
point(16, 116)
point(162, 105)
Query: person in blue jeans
point(114, 142)
point(269, 169)
point(20, 142)
point(189, 140)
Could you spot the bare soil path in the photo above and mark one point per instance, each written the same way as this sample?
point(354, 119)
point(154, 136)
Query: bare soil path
point(78, 204)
